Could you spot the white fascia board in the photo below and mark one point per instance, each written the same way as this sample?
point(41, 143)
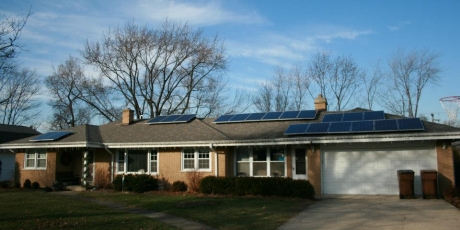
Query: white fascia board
point(53, 145)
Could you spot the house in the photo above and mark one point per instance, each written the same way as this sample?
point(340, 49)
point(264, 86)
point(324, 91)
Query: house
point(351, 152)
point(7, 158)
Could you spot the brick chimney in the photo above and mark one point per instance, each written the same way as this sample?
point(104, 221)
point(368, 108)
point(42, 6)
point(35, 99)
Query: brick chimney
point(127, 117)
point(320, 103)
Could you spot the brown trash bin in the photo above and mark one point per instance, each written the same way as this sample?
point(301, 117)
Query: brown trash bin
point(429, 183)
point(406, 184)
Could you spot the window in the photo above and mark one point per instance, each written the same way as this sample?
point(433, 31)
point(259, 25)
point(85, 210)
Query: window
point(196, 159)
point(35, 159)
point(137, 161)
point(260, 161)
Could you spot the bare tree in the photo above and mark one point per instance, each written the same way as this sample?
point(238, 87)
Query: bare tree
point(264, 98)
point(63, 84)
point(19, 92)
point(338, 80)
point(157, 71)
point(301, 84)
point(372, 84)
point(409, 73)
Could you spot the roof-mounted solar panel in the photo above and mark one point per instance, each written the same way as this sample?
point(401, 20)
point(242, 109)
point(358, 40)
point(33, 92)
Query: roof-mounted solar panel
point(184, 118)
point(353, 116)
point(255, 117)
point(374, 115)
point(333, 117)
point(307, 114)
point(239, 117)
point(362, 126)
point(289, 115)
point(410, 124)
point(296, 129)
point(317, 128)
point(340, 127)
point(170, 119)
point(156, 119)
point(272, 116)
point(51, 136)
point(385, 125)
point(224, 118)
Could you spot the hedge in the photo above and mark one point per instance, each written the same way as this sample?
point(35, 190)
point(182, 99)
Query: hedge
point(267, 186)
point(137, 183)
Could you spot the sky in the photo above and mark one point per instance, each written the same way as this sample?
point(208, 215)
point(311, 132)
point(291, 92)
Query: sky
point(258, 34)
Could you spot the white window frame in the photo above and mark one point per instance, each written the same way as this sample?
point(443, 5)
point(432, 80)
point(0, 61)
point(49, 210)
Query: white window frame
point(35, 154)
point(268, 161)
point(150, 153)
point(196, 160)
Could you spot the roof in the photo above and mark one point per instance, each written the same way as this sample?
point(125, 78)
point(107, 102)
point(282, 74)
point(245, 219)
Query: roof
point(14, 132)
point(203, 132)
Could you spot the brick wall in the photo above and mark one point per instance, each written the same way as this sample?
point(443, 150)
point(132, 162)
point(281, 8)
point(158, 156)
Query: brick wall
point(446, 173)
point(314, 168)
point(43, 177)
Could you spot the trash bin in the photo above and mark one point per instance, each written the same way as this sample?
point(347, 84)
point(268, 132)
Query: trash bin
point(429, 183)
point(406, 184)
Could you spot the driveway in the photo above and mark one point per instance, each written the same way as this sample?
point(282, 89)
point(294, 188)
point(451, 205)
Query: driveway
point(376, 212)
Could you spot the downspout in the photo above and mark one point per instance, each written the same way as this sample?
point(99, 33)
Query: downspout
point(216, 161)
point(111, 163)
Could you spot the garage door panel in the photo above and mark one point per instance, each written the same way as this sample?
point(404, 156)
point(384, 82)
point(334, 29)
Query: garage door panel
point(372, 171)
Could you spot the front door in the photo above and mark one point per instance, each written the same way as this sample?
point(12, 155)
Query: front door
point(299, 164)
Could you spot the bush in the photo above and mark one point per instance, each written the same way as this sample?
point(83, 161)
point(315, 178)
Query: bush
point(48, 189)
point(194, 181)
point(179, 186)
point(136, 183)
point(27, 184)
point(6, 184)
point(35, 185)
point(271, 186)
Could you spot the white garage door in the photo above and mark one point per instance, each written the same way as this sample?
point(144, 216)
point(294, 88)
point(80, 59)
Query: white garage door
point(372, 171)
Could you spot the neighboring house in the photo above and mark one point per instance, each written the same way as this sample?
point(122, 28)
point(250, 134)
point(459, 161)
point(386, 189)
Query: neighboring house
point(7, 157)
point(353, 152)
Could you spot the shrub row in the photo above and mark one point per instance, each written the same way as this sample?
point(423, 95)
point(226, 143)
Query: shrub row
point(137, 183)
point(267, 186)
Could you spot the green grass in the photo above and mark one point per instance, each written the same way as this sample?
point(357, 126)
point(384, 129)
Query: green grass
point(218, 212)
point(35, 209)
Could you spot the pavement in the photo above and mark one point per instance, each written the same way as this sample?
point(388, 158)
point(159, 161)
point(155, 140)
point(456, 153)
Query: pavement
point(376, 212)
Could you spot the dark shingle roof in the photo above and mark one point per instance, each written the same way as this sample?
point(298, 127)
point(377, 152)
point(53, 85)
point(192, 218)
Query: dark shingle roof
point(15, 132)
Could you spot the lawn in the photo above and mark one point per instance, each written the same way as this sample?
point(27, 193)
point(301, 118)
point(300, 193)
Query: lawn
point(35, 209)
point(216, 211)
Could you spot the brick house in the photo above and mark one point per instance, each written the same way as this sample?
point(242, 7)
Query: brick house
point(318, 147)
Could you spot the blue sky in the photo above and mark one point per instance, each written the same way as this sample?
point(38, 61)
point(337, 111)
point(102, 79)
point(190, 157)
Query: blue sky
point(259, 34)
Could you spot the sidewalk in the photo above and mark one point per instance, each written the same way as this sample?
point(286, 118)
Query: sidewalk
point(163, 217)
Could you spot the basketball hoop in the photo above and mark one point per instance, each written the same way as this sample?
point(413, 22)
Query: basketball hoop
point(451, 104)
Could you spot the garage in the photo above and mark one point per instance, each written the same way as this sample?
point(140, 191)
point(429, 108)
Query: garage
point(372, 170)
point(6, 166)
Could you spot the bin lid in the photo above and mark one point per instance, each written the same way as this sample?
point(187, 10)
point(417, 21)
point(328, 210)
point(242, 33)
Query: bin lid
point(428, 171)
point(405, 171)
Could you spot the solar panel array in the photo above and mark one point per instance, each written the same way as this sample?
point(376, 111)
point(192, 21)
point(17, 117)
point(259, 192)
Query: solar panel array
point(269, 116)
point(171, 119)
point(51, 136)
point(390, 125)
point(357, 116)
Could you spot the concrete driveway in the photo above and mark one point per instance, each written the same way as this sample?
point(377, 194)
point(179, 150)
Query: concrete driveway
point(376, 212)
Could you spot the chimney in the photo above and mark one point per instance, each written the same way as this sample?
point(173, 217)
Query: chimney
point(320, 103)
point(127, 117)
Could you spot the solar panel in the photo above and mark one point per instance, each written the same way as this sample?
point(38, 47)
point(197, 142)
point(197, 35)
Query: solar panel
point(184, 118)
point(272, 116)
point(239, 117)
point(296, 129)
point(289, 115)
point(385, 125)
point(353, 116)
point(339, 127)
point(317, 128)
point(224, 118)
point(410, 124)
point(255, 116)
point(362, 126)
point(332, 117)
point(170, 118)
point(307, 114)
point(374, 115)
point(156, 119)
point(51, 136)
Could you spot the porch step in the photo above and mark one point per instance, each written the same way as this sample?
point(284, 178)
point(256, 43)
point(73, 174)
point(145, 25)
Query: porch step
point(75, 188)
